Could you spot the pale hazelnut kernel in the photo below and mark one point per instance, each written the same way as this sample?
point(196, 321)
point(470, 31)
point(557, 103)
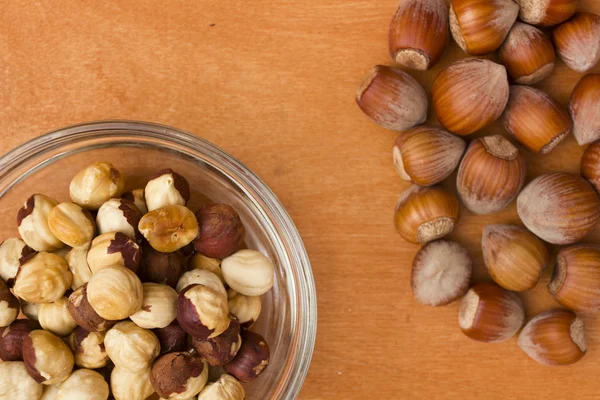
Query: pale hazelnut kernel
point(114, 248)
point(76, 259)
point(83, 384)
point(9, 306)
point(245, 308)
point(119, 215)
point(248, 272)
point(88, 348)
point(16, 384)
point(42, 278)
point(201, 277)
point(130, 385)
point(131, 347)
point(84, 314)
point(71, 224)
point(159, 307)
point(50, 392)
point(169, 228)
point(200, 261)
point(138, 198)
point(55, 317)
point(12, 251)
point(32, 221)
point(166, 188)
point(115, 293)
point(225, 388)
point(47, 358)
point(202, 311)
point(96, 184)
point(179, 376)
point(30, 310)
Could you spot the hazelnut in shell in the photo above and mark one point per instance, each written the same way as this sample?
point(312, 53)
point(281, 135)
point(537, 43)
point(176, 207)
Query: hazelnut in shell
point(71, 224)
point(169, 228)
point(159, 307)
point(200, 261)
point(12, 337)
point(179, 376)
point(130, 346)
point(221, 349)
point(546, 12)
point(130, 385)
point(577, 43)
point(12, 252)
point(47, 358)
point(201, 277)
point(96, 184)
point(32, 222)
point(83, 384)
point(114, 248)
point(245, 308)
point(585, 109)
point(84, 314)
point(56, 318)
point(202, 312)
point(88, 348)
point(76, 259)
point(172, 338)
point(42, 278)
point(138, 198)
point(221, 232)
point(115, 293)
point(248, 272)
point(16, 384)
point(163, 268)
point(590, 165)
point(119, 215)
point(251, 359)
point(166, 188)
point(9, 306)
point(226, 387)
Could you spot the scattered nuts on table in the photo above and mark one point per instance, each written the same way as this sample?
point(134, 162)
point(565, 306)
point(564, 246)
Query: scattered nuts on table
point(119, 215)
point(42, 278)
point(56, 318)
point(172, 338)
point(166, 188)
point(12, 251)
point(139, 199)
point(226, 387)
point(245, 308)
point(130, 346)
point(47, 357)
point(163, 268)
point(179, 376)
point(32, 222)
point(9, 306)
point(202, 312)
point(84, 314)
point(220, 350)
point(585, 109)
point(130, 385)
point(248, 272)
point(548, 12)
point(12, 337)
point(114, 248)
point(576, 41)
point(201, 277)
point(95, 185)
point(16, 384)
point(76, 260)
point(88, 348)
point(169, 228)
point(83, 384)
point(115, 293)
point(71, 224)
point(159, 306)
point(251, 359)
point(221, 231)
point(200, 261)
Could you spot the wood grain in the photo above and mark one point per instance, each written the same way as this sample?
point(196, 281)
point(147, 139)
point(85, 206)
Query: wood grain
point(273, 83)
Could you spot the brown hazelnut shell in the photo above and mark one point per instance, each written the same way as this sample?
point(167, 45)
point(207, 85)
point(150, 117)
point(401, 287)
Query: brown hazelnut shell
point(585, 109)
point(251, 359)
point(221, 232)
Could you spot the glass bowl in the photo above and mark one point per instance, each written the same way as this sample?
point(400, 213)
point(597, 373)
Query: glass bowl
point(289, 316)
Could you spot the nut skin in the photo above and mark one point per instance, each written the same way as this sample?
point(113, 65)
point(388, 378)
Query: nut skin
point(469, 95)
point(11, 339)
point(251, 359)
point(546, 13)
point(115, 293)
point(114, 248)
point(12, 252)
point(221, 232)
point(527, 54)
point(441, 273)
point(119, 215)
point(480, 26)
point(426, 155)
point(248, 272)
point(16, 384)
point(513, 256)
point(245, 308)
point(56, 318)
point(48, 359)
point(559, 208)
point(76, 260)
point(169, 228)
point(129, 385)
point(71, 224)
point(138, 198)
point(9, 306)
point(131, 347)
point(221, 349)
point(163, 268)
point(489, 313)
point(172, 338)
point(83, 313)
point(166, 188)
point(202, 311)
point(83, 384)
point(491, 174)
point(88, 348)
point(201, 262)
point(535, 120)
point(555, 337)
point(426, 214)
point(590, 165)
point(225, 388)
point(96, 184)
point(178, 375)
point(32, 222)
point(585, 109)
point(383, 89)
point(42, 278)
point(159, 307)
point(576, 277)
point(418, 33)
point(576, 41)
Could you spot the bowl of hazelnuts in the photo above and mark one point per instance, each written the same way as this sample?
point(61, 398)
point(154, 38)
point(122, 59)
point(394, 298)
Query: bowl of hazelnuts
point(141, 262)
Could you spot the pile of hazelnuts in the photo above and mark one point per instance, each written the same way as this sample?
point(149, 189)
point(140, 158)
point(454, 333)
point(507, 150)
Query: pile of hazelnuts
point(468, 95)
point(129, 294)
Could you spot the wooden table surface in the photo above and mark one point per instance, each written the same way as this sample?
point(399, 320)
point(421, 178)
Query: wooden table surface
point(273, 83)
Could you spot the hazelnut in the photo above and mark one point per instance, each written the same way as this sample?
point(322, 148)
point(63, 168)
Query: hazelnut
point(9, 306)
point(245, 308)
point(131, 347)
point(11, 339)
point(169, 228)
point(480, 26)
point(159, 307)
point(576, 41)
point(425, 155)
point(30, 310)
point(166, 188)
point(548, 12)
point(200, 261)
point(71, 224)
point(248, 272)
point(76, 259)
point(56, 318)
point(157, 267)
point(426, 214)
point(42, 278)
point(590, 165)
point(12, 252)
point(441, 273)
point(16, 384)
point(527, 54)
point(47, 358)
point(555, 337)
point(535, 120)
point(138, 198)
point(201, 277)
point(114, 248)
point(221, 349)
point(469, 95)
point(514, 257)
point(83, 384)
point(115, 293)
point(50, 392)
point(491, 174)
point(489, 313)
point(83, 313)
point(179, 375)
point(130, 385)
point(221, 232)
point(202, 311)
point(559, 208)
point(172, 338)
point(119, 215)
point(96, 184)
point(251, 359)
point(226, 387)
point(418, 33)
point(585, 109)
point(32, 221)
point(187, 250)
point(383, 90)
point(88, 348)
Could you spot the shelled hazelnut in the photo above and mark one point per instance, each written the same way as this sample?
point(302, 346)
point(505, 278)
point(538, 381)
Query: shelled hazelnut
point(32, 222)
point(130, 346)
point(130, 385)
point(47, 358)
point(172, 338)
point(76, 260)
point(139, 199)
point(15, 381)
point(83, 384)
point(96, 184)
point(12, 337)
point(71, 224)
point(166, 188)
point(163, 268)
point(56, 318)
point(50, 392)
point(114, 248)
point(42, 278)
point(221, 349)
point(84, 314)
point(169, 228)
point(30, 310)
point(245, 308)
point(179, 375)
point(201, 277)
point(251, 359)
point(226, 387)
point(576, 41)
point(248, 272)
point(585, 109)
point(119, 215)
point(9, 306)
point(548, 12)
point(202, 312)
point(221, 232)
point(159, 306)
point(12, 252)
point(88, 348)
point(200, 261)
point(115, 293)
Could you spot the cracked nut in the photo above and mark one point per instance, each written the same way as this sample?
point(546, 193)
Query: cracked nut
point(252, 358)
point(119, 215)
point(248, 272)
point(83, 313)
point(200, 261)
point(202, 311)
point(138, 198)
point(585, 109)
point(226, 387)
point(163, 268)
point(42, 278)
point(221, 232)
point(114, 248)
point(83, 384)
point(130, 385)
point(56, 318)
point(245, 308)
point(172, 338)
point(16, 384)
point(576, 41)
point(47, 358)
point(130, 346)
point(200, 277)
point(11, 339)
point(95, 185)
point(169, 228)
point(71, 224)
point(159, 307)
point(12, 252)
point(167, 188)
point(76, 259)
point(179, 376)
point(221, 349)
point(88, 348)
point(115, 293)
point(9, 306)
point(32, 221)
